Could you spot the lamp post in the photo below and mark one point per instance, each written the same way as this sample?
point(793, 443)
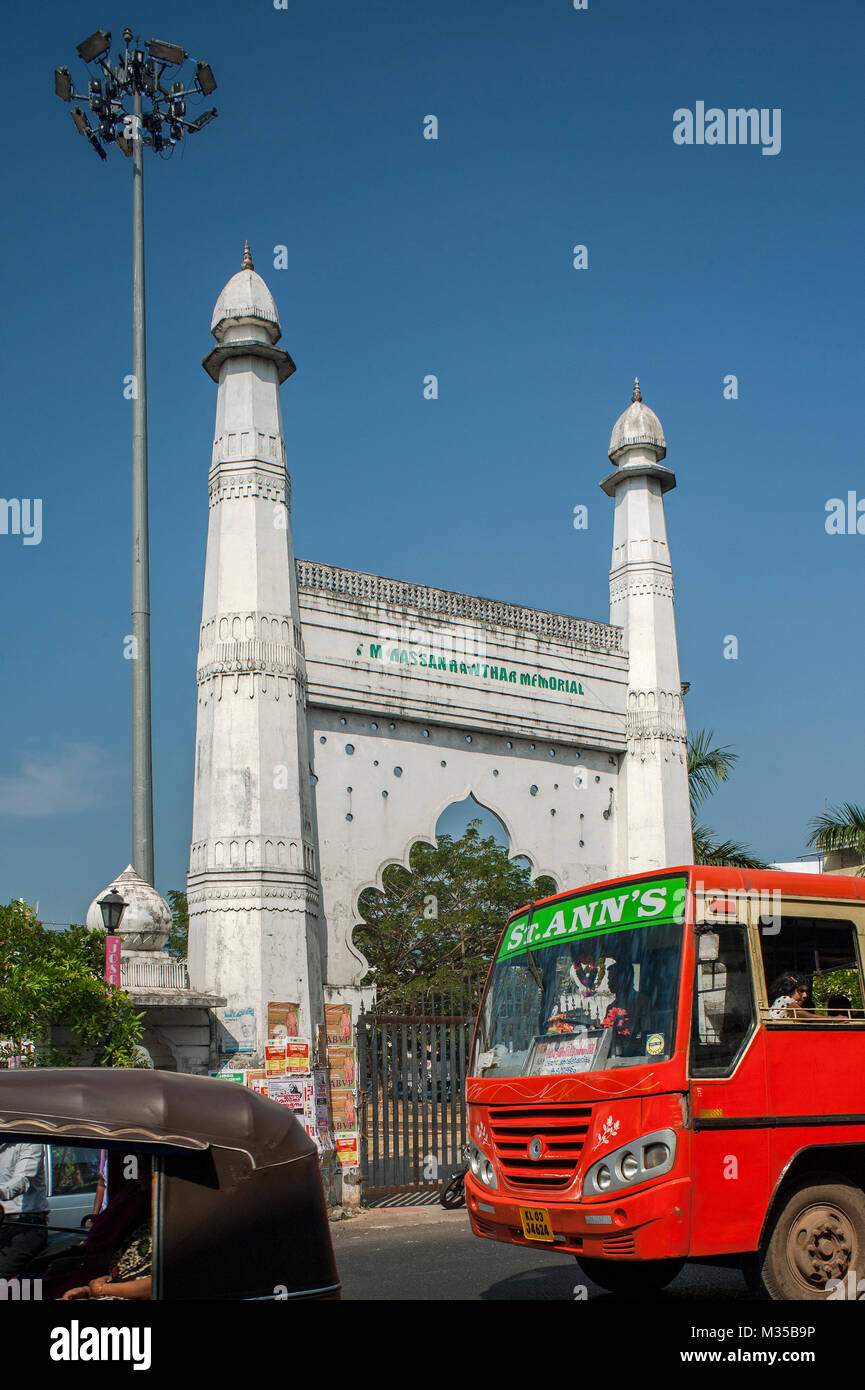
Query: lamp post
point(117, 102)
point(112, 907)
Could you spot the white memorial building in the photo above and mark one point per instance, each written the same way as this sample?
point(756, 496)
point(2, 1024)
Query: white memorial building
point(340, 712)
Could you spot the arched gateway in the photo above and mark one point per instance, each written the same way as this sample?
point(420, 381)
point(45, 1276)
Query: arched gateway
point(340, 712)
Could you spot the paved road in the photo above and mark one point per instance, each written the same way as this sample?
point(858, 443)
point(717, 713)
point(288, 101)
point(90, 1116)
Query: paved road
point(401, 1253)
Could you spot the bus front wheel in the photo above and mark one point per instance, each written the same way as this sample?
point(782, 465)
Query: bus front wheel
point(819, 1236)
point(631, 1276)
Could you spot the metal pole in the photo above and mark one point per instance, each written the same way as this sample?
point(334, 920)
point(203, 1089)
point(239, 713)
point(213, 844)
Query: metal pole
point(142, 762)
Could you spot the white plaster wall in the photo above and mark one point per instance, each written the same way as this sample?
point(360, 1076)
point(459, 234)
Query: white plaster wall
point(383, 815)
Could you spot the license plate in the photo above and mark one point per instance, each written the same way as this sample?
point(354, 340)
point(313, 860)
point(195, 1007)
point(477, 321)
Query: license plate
point(536, 1223)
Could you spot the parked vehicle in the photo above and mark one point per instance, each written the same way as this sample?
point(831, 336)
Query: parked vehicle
point(453, 1194)
point(238, 1210)
point(72, 1175)
point(672, 1068)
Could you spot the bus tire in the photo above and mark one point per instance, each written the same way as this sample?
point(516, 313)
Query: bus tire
point(631, 1276)
point(819, 1235)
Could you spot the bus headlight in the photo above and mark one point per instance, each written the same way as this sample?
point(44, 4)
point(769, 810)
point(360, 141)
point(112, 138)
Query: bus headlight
point(629, 1166)
point(642, 1159)
point(481, 1167)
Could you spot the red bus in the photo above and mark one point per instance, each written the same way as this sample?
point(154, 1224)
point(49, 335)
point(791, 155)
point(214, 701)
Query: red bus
point(671, 1068)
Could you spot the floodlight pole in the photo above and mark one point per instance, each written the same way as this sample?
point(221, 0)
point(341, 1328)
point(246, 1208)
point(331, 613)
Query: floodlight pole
point(133, 75)
point(142, 753)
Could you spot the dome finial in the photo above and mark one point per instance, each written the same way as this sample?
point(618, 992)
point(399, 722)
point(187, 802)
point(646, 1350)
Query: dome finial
point(246, 263)
point(637, 394)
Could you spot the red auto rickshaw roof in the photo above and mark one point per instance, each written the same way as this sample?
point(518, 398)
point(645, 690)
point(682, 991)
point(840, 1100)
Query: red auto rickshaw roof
point(92, 1104)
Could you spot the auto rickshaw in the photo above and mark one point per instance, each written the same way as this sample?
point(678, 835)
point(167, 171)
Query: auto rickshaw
point(237, 1204)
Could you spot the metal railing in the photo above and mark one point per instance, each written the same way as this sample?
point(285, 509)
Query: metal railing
point(166, 972)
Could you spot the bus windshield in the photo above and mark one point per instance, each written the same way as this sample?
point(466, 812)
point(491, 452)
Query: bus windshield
point(585, 985)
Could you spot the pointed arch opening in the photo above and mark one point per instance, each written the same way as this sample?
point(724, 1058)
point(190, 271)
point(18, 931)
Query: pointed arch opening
point(430, 930)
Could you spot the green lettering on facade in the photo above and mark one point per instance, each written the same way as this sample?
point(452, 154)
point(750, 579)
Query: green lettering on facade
point(412, 657)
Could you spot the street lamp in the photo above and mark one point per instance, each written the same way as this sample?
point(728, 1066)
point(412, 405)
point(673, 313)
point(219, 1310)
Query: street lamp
point(112, 907)
point(115, 103)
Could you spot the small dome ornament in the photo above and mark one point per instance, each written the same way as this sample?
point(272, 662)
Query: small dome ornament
point(146, 921)
point(638, 427)
point(245, 302)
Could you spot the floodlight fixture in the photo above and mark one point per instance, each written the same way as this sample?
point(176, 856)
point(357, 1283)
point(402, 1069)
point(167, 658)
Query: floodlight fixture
point(205, 79)
point(95, 46)
point(63, 84)
point(91, 136)
point(204, 119)
point(82, 125)
point(167, 52)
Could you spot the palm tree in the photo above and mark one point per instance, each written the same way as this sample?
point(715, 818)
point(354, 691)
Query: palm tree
point(840, 828)
point(707, 768)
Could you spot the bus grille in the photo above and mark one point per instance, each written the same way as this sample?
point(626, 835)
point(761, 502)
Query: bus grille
point(620, 1245)
point(562, 1130)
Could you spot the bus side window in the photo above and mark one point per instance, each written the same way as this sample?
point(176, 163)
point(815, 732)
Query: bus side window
point(723, 1005)
point(823, 952)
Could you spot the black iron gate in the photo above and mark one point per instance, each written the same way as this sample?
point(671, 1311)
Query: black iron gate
point(411, 1084)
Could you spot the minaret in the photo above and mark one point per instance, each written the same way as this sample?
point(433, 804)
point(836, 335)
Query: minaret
point(253, 885)
point(654, 828)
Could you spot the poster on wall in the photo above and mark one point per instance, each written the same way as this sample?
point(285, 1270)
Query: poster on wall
point(282, 1020)
point(238, 1076)
point(275, 1057)
point(297, 1054)
point(15, 1054)
point(347, 1150)
point(344, 1111)
point(287, 1090)
point(236, 1031)
point(342, 1064)
point(324, 1134)
point(337, 1021)
point(257, 1080)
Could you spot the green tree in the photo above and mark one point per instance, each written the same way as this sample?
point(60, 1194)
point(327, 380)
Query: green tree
point(51, 979)
point(435, 927)
point(178, 937)
point(840, 828)
point(708, 767)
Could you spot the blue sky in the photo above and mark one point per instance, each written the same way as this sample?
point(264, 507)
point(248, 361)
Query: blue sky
point(452, 257)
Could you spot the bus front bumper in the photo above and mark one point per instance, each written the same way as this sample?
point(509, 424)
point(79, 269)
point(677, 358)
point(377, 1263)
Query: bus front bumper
point(651, 1224)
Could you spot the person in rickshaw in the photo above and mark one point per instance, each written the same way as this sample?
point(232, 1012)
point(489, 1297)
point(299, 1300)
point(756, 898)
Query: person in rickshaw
point(130, 1265)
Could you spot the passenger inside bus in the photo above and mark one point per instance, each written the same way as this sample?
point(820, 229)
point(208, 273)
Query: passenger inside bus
point(807, 961)
point(788, 995)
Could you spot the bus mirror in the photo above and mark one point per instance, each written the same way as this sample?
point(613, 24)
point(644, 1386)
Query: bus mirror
point(707, 948)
